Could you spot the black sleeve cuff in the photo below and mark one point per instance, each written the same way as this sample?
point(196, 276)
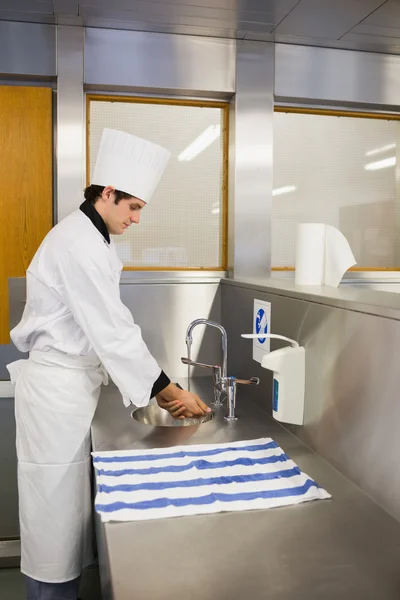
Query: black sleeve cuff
point(160, 384)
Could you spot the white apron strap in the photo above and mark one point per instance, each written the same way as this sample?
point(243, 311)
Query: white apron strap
point(70, 362)
point(50, 358)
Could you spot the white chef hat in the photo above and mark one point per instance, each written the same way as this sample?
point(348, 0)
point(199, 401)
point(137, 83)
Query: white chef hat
point(129, 163)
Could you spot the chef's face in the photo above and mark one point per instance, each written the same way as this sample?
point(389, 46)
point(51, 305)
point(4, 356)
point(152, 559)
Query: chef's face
point(118, 217)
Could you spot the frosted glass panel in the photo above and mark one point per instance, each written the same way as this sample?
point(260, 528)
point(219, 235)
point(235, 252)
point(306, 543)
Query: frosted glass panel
point(340, 171)
point(182, 226)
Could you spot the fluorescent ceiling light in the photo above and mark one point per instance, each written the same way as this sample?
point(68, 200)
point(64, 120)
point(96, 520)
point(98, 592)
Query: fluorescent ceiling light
point(379, 150)
point(381, 164)
point(284, 190)
point(204, 140)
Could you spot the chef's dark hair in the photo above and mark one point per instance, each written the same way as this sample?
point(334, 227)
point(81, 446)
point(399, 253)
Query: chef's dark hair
point(93, 193)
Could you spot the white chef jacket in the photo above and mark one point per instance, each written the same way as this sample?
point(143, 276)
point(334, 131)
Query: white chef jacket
point(73, 307)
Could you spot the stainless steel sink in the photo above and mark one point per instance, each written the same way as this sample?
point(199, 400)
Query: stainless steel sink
point(158, 417)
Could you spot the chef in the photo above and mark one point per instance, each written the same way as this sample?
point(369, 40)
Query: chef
point(77, 332)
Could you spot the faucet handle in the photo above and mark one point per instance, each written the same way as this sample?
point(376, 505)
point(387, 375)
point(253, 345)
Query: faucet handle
point(251, 381)
point(231, 394)
point(198, 364)
point(218, 382)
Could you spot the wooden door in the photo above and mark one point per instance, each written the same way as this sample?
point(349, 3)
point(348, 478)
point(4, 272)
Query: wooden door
point(26, 183)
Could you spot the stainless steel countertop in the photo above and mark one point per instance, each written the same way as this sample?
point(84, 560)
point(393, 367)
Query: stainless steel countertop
point(346, 547)
point(374, 302)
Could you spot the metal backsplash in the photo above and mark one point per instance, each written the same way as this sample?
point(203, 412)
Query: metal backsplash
point(163, 311)
point(352, 381)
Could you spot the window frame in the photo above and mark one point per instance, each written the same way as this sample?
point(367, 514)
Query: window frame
point(330, 112)
point(224, 107)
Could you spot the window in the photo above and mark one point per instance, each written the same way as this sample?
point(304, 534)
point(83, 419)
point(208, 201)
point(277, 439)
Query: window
point(184, 225)
point(337, 168)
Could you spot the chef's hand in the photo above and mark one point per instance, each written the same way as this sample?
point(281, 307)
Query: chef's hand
point(180, 403)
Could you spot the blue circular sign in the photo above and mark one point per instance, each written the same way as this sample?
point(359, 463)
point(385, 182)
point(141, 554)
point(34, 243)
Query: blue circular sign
point(261, 324)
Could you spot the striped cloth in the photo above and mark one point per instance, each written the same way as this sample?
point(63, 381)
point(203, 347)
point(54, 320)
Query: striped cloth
point(188, 480)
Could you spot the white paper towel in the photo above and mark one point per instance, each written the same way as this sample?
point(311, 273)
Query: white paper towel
point(323, 255)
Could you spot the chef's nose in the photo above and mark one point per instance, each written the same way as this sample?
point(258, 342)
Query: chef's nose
point(135, 218)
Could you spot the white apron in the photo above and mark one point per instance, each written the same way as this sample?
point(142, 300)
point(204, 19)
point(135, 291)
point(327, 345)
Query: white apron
point(55, 401)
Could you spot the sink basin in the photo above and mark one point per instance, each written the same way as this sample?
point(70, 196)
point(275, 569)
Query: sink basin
point(158, 417)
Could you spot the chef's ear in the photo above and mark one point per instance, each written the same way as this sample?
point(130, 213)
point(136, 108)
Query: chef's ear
point(107, 192)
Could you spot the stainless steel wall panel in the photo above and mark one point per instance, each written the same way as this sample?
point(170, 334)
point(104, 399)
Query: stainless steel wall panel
point(8, 353)
point(374, 43)
point(197, 31)
point(17, 296)
point(163, 311)
point(10, 554)
point(328, 74)
point(27, 49)
point(19, 16)
point(349, 297)
point(139, 277)
point(146, 12)
point(159, 61)
point(352, 382)
point(388, 31)
point(253, 159)
point(9, 525)
point(342, 44)
point(30, 6)
point(277, 7)
point(70, 120)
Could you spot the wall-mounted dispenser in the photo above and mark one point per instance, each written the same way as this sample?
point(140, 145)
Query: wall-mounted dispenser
point(288, 367)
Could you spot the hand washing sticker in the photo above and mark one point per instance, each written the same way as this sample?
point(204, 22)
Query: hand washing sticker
point(261, 324)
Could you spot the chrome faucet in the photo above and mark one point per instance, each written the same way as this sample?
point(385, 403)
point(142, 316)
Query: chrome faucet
point(219, 372)
point(224, 386)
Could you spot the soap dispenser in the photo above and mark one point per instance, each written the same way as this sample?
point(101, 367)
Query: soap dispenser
point(288, 367)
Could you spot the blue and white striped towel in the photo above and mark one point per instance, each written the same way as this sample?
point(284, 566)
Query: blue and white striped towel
point(188, 480)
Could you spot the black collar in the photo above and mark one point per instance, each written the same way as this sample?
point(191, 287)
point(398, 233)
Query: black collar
point(89, 210)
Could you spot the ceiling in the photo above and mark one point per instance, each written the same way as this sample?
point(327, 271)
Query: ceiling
point(371, 25)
